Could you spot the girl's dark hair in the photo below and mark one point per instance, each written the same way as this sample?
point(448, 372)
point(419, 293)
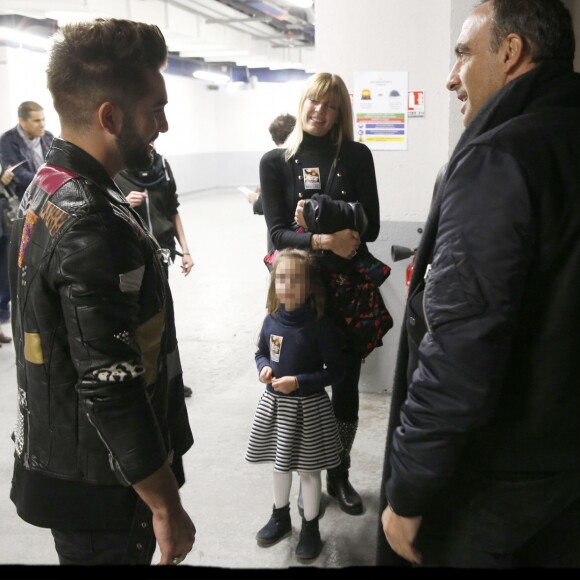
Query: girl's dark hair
point(315, 288)
point(101, 60)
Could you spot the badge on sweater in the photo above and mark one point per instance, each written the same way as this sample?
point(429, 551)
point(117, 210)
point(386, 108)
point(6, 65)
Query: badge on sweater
point(311, 177)
point(275, 347)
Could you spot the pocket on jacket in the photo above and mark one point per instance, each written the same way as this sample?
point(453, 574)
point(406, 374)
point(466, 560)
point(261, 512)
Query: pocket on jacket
point(452, 290)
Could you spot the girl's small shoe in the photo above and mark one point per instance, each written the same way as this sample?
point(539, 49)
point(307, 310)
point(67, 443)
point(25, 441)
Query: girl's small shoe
point(309, 544)
point(279, 526)
point(4, 339)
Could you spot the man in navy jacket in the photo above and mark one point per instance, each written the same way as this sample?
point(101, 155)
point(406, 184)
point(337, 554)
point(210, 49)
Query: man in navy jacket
point(28, 142)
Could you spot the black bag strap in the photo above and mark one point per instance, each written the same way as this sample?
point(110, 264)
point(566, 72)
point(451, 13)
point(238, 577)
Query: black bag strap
point(331, 173)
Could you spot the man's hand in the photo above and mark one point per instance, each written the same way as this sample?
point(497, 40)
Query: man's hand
point(175, 535)
point(136, 198)
point(401, 533)
point(173, 528)
point(7, 176)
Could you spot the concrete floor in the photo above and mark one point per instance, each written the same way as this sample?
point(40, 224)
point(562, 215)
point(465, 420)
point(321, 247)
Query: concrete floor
point(220, 307)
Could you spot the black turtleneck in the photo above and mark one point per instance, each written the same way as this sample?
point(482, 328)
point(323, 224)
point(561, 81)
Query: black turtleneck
point(282, 185)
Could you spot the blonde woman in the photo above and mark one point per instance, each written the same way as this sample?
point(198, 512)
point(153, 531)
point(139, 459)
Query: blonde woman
point(321, 157)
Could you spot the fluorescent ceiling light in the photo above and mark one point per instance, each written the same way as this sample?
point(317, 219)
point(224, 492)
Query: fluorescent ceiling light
point(302, 3)
point(24, 38)
point(64, 17)
point(207, 54)
point(214, 77)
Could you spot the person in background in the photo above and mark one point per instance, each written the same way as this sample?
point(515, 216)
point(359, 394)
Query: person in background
point(279, 130)
point(299, 354)
point(152, 193)
point(102, 425)
point(482, 462)
point(22, 151)
point(28, 142)
point(321, 156)
point(5, 196)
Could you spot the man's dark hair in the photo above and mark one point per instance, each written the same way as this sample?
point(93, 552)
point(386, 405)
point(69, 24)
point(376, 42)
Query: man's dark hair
point(281, 127)
point(545, 26)
point(102, 60)
point(27, 107)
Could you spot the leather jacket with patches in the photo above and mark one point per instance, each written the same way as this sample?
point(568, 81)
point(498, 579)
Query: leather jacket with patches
point(93, 331)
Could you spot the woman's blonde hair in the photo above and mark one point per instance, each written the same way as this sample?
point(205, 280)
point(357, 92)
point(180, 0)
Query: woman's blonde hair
point(321, 86)
point(315, 289)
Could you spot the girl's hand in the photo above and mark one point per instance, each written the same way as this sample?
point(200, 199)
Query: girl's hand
point(266, 375)
point(345, 243)
point(299, 214)
point(285, 385)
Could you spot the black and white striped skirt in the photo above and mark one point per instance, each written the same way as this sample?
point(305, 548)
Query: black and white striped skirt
point(294, 433)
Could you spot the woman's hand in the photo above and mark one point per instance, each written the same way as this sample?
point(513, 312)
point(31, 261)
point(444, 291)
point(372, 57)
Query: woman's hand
point(345, 243)
point(299, 214)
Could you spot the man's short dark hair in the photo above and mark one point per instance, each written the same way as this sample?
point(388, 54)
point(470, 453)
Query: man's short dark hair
point(27, 107)
point(102, 60)
point(281, 127)
point(545, 25)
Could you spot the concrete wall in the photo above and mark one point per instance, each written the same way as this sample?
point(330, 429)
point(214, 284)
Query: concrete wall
point(216, 138)
point(397, 35)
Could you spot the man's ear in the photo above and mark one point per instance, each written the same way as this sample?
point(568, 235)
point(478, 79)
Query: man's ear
point(110, 117)
point(515, 54)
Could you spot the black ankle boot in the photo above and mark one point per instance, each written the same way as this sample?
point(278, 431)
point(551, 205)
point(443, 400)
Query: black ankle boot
point(279, 526)
point(340, 488)
point(309, 543)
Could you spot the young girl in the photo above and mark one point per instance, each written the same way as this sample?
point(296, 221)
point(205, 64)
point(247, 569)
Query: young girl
point(299, 354)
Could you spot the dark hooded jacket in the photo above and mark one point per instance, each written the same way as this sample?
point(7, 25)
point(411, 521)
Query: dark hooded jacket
point(490, 385)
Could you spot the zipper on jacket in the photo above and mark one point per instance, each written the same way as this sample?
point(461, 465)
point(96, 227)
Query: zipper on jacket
point(427, 271)
point(148, 212)
point(113, 463)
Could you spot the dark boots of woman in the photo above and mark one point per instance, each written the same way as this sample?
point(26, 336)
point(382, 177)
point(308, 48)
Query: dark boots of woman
point(338, 485)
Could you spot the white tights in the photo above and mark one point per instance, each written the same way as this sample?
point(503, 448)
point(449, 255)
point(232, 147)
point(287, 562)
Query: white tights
point(311, 491)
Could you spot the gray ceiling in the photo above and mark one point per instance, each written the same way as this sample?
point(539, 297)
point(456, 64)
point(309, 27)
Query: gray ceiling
point(254, 37)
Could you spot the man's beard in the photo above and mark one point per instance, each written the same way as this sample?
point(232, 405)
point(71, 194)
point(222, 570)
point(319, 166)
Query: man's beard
point(136, 154)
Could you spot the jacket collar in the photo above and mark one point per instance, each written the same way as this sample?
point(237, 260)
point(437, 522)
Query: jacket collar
point(76, 160)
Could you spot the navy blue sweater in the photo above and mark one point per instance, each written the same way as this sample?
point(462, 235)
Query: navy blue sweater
point(295, 344)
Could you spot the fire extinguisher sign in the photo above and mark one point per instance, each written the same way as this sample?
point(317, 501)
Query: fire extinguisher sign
point(416, 104)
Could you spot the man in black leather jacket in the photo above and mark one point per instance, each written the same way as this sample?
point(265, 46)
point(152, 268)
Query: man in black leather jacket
point(102, 424)
point(482, 464)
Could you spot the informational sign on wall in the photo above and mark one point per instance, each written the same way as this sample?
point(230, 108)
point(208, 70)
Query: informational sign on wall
point(380, 105)
point(416, 104)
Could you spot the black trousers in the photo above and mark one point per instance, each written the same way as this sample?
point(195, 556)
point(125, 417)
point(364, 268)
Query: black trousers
point(345, 400)
point(490, 522)
point(132, 546)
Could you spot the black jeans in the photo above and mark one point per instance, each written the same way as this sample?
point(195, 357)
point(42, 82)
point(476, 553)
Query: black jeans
point(345, 400)
point(135, 545)
point(4, 284)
